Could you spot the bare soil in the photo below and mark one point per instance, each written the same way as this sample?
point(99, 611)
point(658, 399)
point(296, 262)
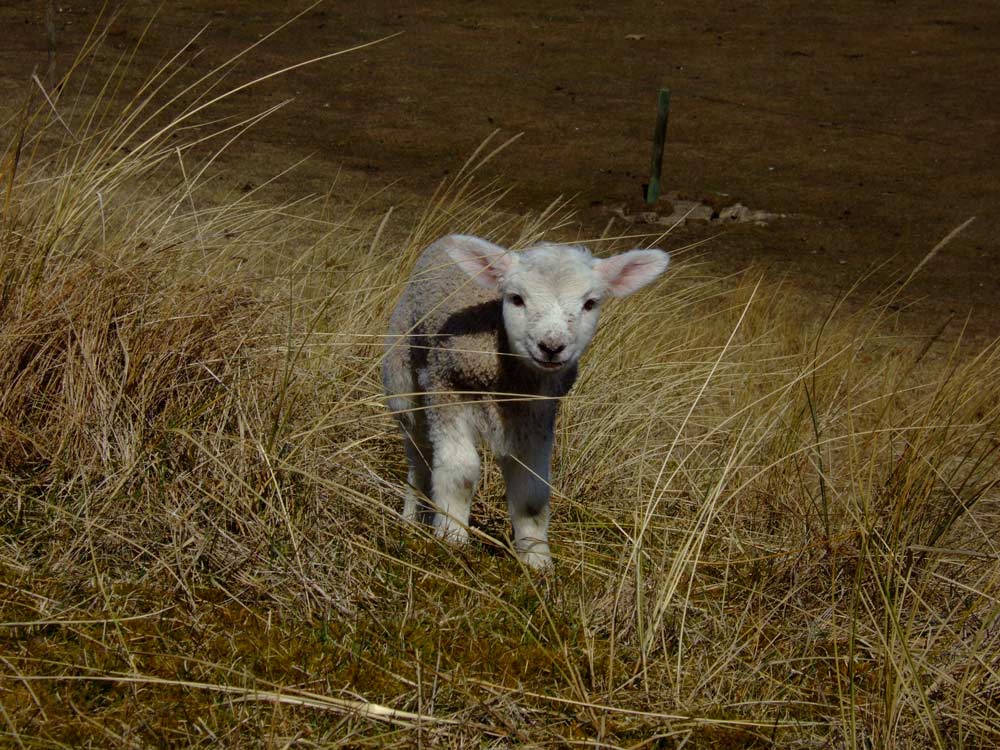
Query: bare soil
point(872, 126)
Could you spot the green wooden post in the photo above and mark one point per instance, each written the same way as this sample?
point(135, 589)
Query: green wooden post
point(659, 139)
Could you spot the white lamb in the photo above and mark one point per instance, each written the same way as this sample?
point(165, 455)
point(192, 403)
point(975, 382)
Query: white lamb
point(487, 360)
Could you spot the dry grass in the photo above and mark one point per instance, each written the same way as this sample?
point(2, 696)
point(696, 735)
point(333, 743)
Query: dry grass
point(771, 527)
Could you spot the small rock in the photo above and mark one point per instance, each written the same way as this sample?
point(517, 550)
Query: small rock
point(737, 212)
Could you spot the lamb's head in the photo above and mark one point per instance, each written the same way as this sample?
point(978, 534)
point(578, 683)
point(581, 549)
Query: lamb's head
point(552, 294)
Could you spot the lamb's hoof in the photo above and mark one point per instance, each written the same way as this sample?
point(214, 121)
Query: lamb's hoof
point(419, 518)
point(452, 532)
point(536, 557)
point(411, 509)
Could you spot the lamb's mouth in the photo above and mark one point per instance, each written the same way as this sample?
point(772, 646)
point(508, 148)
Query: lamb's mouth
point(546, 364)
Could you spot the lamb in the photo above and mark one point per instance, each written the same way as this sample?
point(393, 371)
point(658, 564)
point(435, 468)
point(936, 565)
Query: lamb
point(482, 345)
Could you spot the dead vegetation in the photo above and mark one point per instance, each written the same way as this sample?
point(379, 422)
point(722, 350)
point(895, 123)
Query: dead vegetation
point(770, 529)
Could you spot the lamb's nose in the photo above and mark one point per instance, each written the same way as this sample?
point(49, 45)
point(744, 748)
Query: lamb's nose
point(549, 349)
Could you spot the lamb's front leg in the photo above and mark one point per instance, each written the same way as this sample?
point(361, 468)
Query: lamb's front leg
point(526, 473)
point(454, 475)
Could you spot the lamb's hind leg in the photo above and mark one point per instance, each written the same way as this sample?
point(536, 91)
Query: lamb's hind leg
point(413, 424)
point(419, 458)
point(526, 474)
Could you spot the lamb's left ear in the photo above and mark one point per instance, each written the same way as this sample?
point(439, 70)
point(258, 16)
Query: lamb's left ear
point(631, 271)
point(485, 262)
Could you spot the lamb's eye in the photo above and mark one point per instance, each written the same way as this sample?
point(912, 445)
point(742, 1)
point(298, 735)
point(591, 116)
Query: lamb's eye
point(516, 300)
point(590, 304)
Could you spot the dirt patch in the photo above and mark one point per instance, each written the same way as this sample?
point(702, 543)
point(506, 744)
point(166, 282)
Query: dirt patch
point(873, 127)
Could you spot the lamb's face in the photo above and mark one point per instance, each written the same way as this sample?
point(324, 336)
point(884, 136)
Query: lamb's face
point(551, 302)
point(552, 293)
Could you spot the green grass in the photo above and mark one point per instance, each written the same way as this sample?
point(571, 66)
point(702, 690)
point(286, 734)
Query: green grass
point(772, 527)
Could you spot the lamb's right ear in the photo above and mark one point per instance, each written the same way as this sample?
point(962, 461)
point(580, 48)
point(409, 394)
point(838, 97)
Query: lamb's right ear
point(485, 262)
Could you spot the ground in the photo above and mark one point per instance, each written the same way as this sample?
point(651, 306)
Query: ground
point(873, 126)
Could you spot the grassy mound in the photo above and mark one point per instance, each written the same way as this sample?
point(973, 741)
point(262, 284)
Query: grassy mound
point(771, 527)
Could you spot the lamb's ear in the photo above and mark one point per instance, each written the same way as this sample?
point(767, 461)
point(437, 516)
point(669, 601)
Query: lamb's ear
point(485, 262)
point(631, 271)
